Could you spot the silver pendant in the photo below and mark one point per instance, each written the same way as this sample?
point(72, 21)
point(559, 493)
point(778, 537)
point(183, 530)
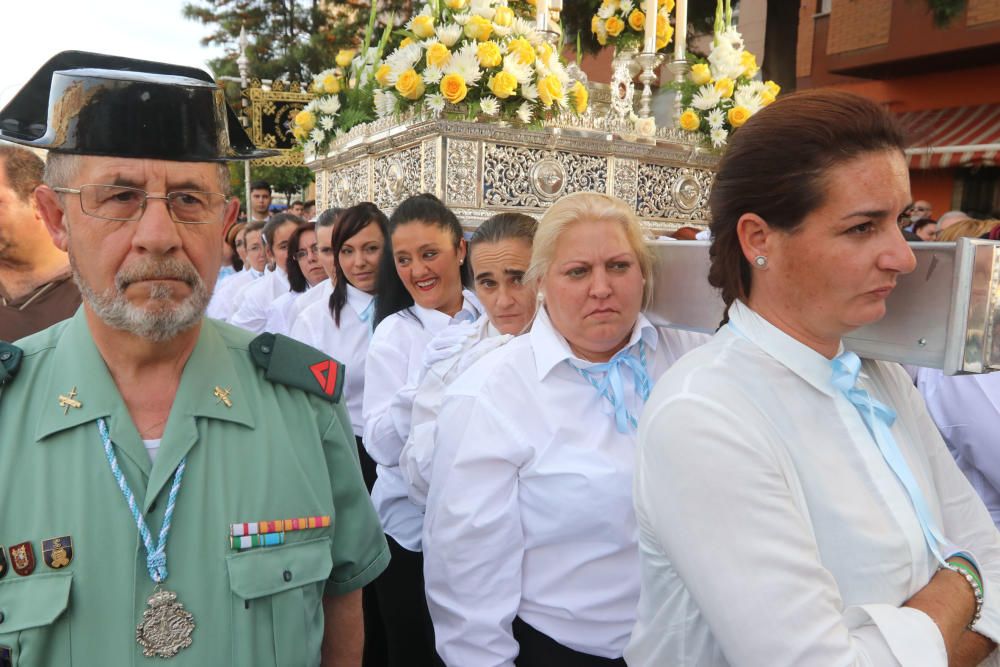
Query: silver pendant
point(166, 626)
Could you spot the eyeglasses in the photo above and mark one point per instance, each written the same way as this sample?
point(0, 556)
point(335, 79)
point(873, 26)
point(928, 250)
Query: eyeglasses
point(124, 204)
point(305, 252)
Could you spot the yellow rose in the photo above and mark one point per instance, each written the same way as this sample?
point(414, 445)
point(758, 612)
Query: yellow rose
point(305, 120)
point(438, 55)
point(637, 20)
point(766, 97)
point(331, 84)
point(345, 56)
point(550, 89)
point(489, 54)
point(667, 5)
point(701, 74)
point(524, 50)
point(749, 63)
point(545, 52)
point(580, 97)
point(455, 4)
point(478, 28)
point(738, 115)
point(725, 87)
point(453, 88)
point(382, 75)
point(502, 84)
point(406, 42)
point(299, 133)
point(504, 16)
point(423, 26)
point(663, 38)
point(410, 85)
point(615, 26)
point(595, 23)
point(613, 5)
point(773, 88)
point(602, 38)
point(663, 26)
point(689, 120)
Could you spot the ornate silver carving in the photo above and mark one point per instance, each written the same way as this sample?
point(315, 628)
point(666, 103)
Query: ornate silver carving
point(463, 172)
point(673, 192)
point(397, 176)
point(686, 192)
point(508, 182)
point(626, 182)
point(431, 170)
point(622, 87)
point(548, 178)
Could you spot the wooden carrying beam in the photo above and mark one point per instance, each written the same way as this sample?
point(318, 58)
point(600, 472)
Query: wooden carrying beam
point(945, 314)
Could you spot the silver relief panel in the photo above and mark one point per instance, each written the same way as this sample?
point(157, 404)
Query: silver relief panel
point(462, 169)
point(526, 177)
point(678, 193)
point(397, 176)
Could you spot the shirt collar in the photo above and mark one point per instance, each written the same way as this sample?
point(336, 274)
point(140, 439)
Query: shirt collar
point(799, 358)
point(551, 348)
point(357, 299)
point(435, 319)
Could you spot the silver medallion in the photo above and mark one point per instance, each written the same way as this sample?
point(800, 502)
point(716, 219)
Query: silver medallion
point(166, 626)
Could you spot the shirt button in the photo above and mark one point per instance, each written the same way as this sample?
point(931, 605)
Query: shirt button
point(265, 349)
point(287, 575)
point(5, 356)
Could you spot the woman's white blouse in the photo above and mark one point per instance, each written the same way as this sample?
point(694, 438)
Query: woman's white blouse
point(221, 305)
point(771, 530)
point(392, 372)
point(277, 312)
point(251, 312)
point(347, 344)
point(418, 454)
point(318, 292)
point(530, 510)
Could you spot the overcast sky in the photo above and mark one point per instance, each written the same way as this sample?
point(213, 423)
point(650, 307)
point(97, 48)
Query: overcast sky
point(149, 29)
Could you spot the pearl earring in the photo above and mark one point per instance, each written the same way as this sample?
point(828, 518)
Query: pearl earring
point(760, 261)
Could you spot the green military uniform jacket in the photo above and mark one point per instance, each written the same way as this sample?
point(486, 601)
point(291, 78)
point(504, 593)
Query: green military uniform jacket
point(279, 452)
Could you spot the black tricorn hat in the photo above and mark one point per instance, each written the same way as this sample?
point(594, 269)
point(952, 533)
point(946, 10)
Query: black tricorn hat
point(95, 104)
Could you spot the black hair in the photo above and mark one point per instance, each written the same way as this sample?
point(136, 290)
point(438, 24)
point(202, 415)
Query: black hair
point(275, 221)
point(425, 208)
point(328, 217)
point(296, 279)
point(501, 227)
point(352, 221)
point(260, 185)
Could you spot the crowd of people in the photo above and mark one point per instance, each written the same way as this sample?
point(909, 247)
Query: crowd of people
point(428, 447)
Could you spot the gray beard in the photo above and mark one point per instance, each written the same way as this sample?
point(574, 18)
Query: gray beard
point(161, 320)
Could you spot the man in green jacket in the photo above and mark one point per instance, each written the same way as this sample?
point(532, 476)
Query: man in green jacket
point(170, 487)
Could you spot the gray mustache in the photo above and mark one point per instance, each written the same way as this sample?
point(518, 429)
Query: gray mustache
point(166, 268)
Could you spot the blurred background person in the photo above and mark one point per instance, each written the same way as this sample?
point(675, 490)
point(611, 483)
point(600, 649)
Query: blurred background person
point(499, 255)
point(250, 310)
point(772, 465)
point(36, 286)
point(950, 218)
point(421, 280)
point(320, 292)
point(530, 536)
point(232, 252)
point(309, 209)
point(260, 201)
point(920, 210)
point(226, 296)
point(967, 228)
point(925, 229)
point(296, 208)
point(304, 271)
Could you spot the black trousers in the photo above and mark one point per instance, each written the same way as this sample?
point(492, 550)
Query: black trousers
point(540, 650)
point(409, 633)
point(375, 645)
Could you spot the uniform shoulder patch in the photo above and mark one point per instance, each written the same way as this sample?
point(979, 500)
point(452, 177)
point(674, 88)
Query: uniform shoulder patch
point(10, 362)
point(289, 362)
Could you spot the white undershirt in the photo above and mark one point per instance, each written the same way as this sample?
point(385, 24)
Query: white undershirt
point(152, 446)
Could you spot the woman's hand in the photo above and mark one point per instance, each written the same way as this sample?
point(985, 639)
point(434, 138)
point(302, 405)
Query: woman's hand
point(951, 603)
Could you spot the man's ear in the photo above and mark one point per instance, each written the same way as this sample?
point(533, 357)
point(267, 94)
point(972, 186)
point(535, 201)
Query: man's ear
point(50, 209)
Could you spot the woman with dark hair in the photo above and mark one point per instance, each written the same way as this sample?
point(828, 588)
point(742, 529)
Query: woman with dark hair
point(321, 291)
point(304, 272)
point(421, 277)
point(925, 229)
point(796, 505)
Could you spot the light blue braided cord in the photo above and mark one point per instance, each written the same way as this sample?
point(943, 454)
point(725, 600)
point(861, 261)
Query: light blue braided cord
point(612, 388)
point(156, 558)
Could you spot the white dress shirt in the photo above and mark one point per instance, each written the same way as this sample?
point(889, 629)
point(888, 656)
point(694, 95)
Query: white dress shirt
point(221, 305)
point(418, 454)
point(318, 292)
point(392, 371)
point(277, 313)
point(251, 314)
point(530, 511)
point(966, 409)
point(772, 531)
point(347, 343)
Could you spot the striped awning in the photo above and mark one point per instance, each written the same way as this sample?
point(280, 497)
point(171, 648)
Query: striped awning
point(955, 137)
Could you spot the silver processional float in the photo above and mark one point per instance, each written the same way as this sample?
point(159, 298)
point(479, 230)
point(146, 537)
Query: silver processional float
point(942, 315)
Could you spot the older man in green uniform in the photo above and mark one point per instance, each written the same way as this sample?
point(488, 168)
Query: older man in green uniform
point(170, 487)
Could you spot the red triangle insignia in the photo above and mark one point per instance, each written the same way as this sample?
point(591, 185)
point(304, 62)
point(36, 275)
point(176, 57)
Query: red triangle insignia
point(325, 373)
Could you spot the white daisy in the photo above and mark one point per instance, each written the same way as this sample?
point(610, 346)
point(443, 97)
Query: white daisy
point(385, 103)
point(449, 34)
point(313, 105)
point(523, 28)
point(326, 122)
point(627, 7)
point(461, 19)
point(706, 98)
point(524, 112)
point(330, 104)
point(606, 11)
point(502, 30)
point(512, 65)
point(317, 135)
point(725, 62)
point(529, 91)
point(435, 102)
point(432, 74)
point(403, 59)
point(716, 118)
point(718, 137)
point(482, 8)
point(465, 63)
point(490, 105)
point(309, 147)
point(746, 97)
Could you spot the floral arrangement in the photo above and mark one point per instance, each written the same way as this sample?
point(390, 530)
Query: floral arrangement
point(479, 54)
point(721, 94)
point(622, 23)
point(344, 94)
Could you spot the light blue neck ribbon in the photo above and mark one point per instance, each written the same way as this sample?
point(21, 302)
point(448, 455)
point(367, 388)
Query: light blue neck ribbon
point(367, 315)
point(612, 387)
point(879, 418)
point(156, 557)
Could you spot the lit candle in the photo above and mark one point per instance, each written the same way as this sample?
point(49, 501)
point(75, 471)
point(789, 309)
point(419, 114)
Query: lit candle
point(542, 15)
point(652, 7)
point(681, 30)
